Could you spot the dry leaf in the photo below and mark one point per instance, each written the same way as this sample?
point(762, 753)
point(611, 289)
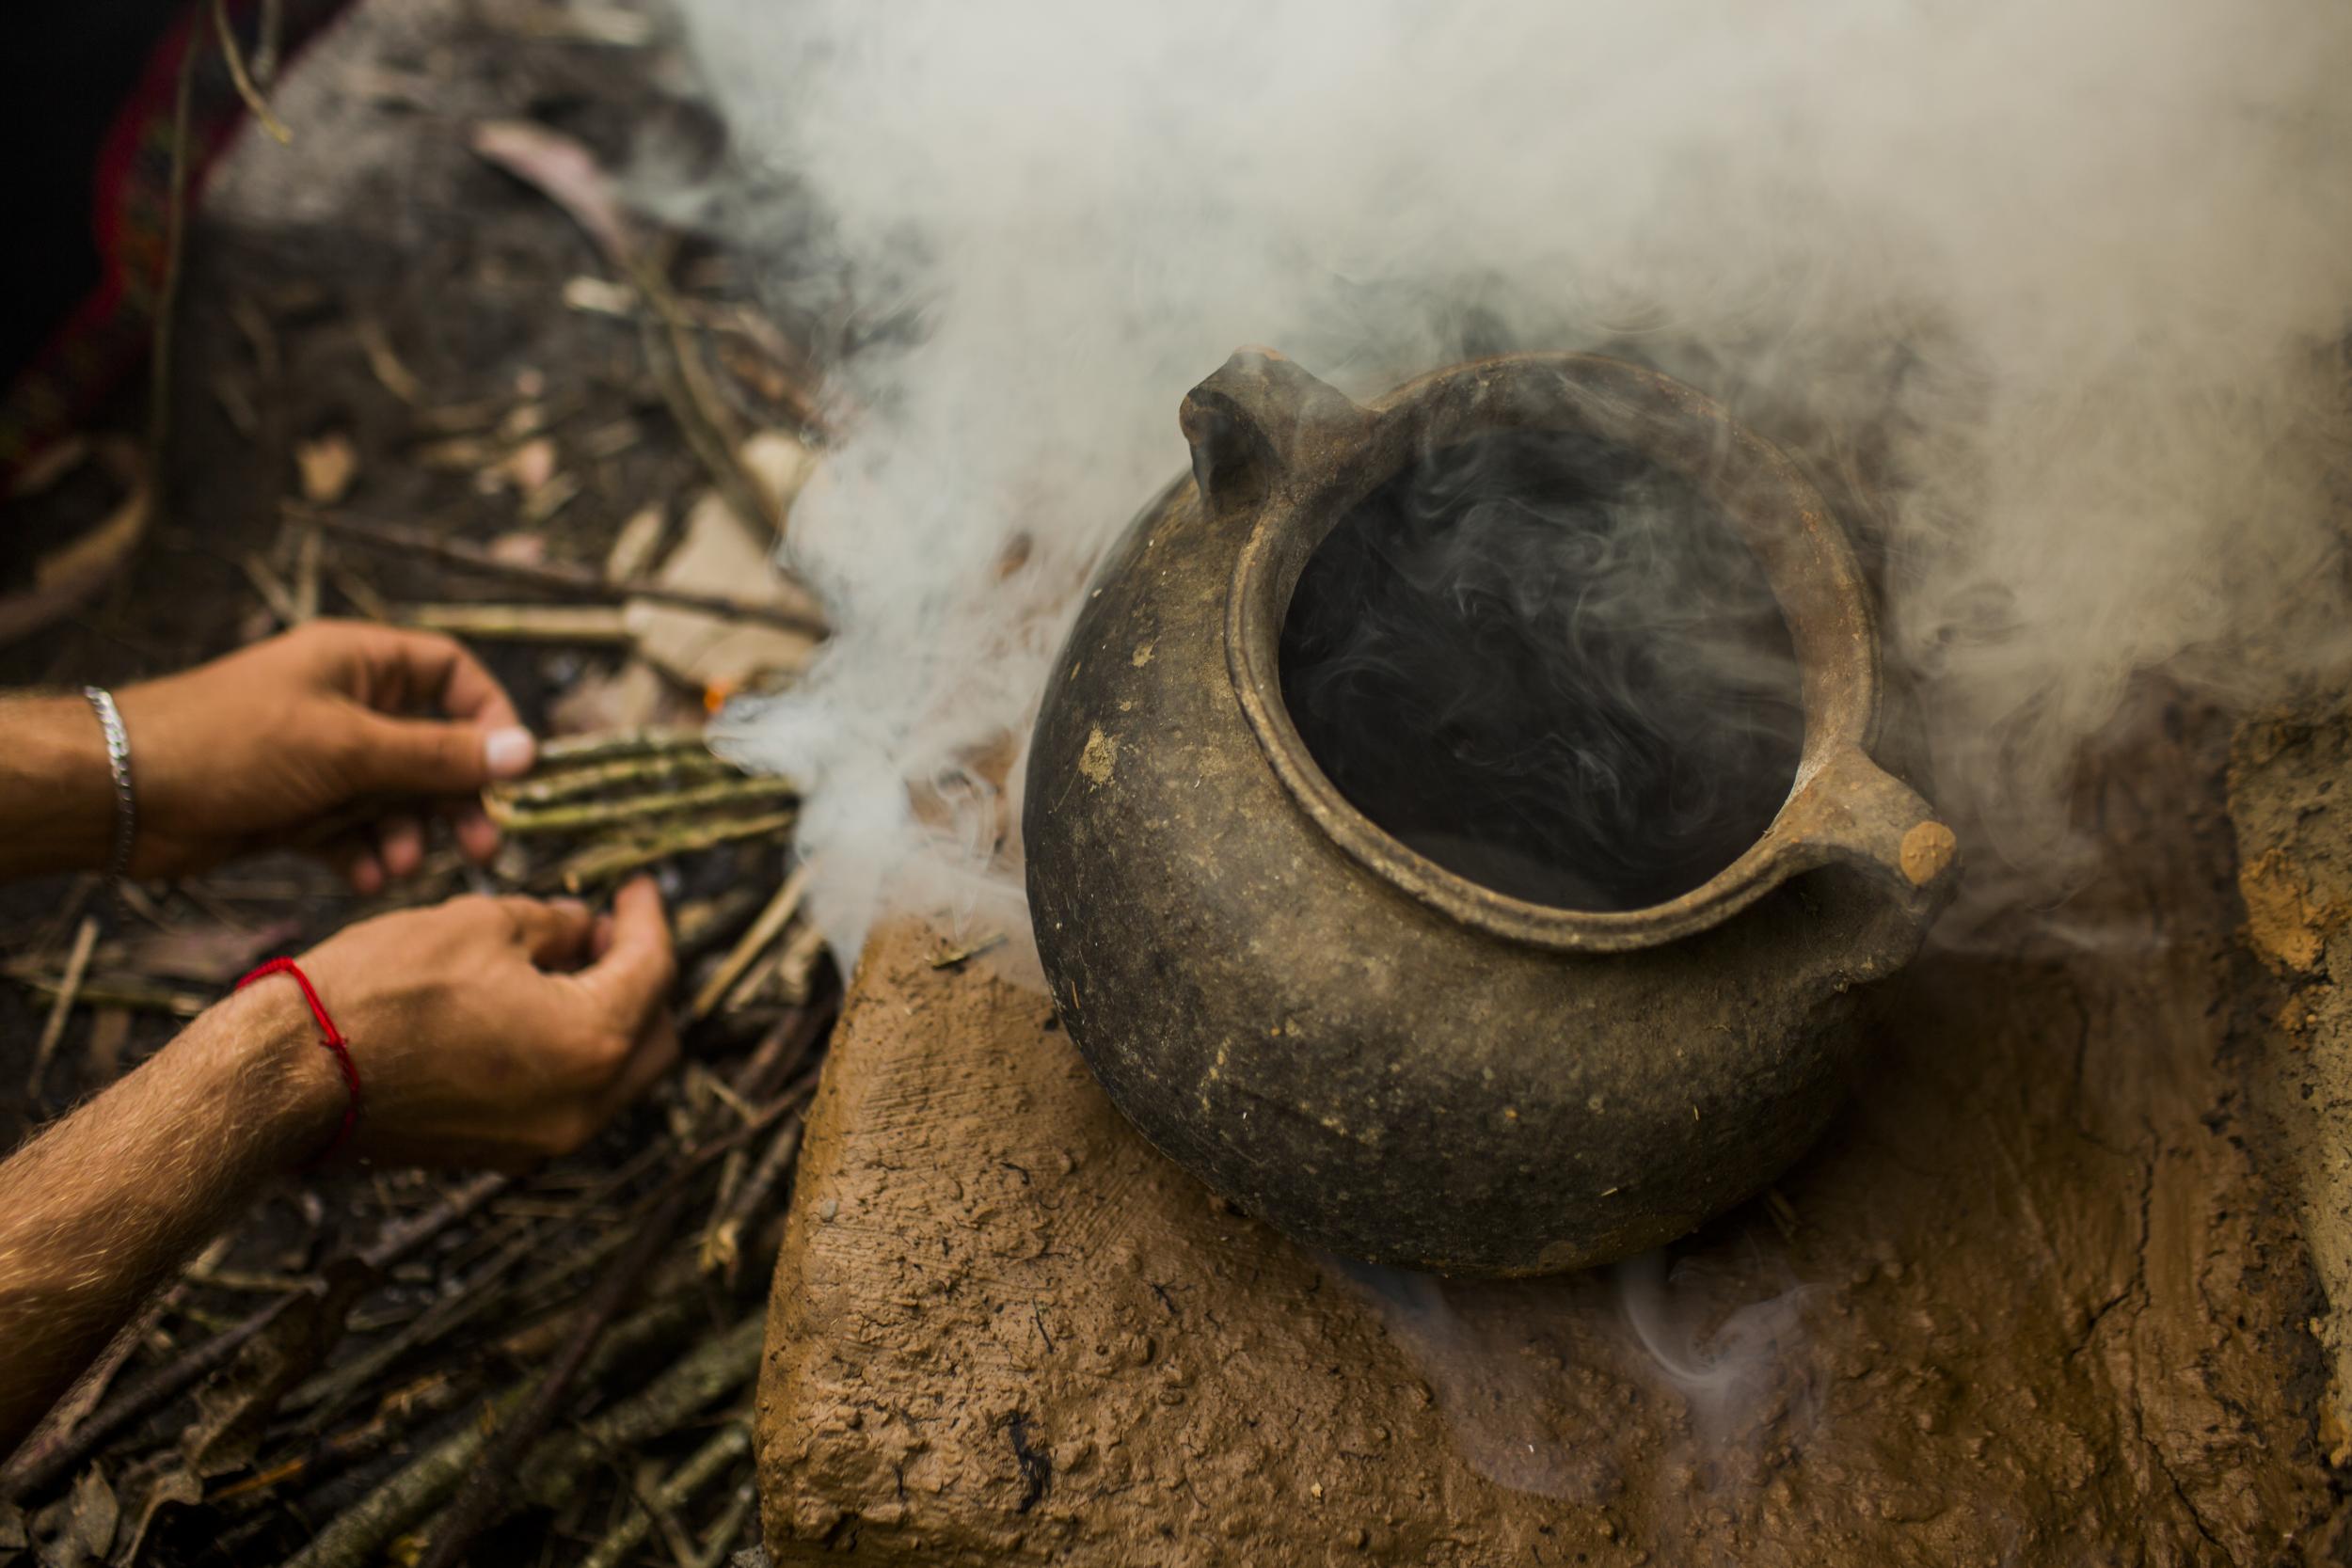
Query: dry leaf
point(530, 464)
point(69, 575)
point(566, 172)
point(780, 464)
point(328, 464)
point(78, 1527)
point(718, 555)
point(175, 1487)
point(633, 548)
point(520, 550)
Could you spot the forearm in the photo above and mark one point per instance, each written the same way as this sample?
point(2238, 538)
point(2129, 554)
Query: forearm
point(97, 1209)
point(56, 793)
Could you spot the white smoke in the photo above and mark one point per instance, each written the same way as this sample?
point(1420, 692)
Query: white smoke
point(2066, 273)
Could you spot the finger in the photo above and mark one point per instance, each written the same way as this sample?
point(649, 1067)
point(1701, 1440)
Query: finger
point(404, 666)
point(477, 835)
point(434, 756)
point(353, 860)
point(400, 845)
point(654, 1053)
point(553, 931)
point(633, 974)
point(600, 937)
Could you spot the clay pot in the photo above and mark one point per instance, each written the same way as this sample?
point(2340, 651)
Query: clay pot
point(1348, 1035)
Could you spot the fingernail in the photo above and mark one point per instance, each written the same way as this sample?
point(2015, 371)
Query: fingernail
point(509, 752)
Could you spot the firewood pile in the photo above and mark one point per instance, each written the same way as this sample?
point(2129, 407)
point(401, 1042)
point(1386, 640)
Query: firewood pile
point(578, 455)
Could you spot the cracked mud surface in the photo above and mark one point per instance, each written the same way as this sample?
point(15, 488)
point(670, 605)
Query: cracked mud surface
point(2291, 800)
point(2032, 1302)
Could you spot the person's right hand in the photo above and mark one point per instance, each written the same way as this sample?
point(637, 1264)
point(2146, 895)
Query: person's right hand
point(488, 1032)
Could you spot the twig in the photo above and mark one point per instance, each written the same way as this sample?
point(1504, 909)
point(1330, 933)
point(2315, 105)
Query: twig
point(572, 749)
point(309, 558)
point(115, 994)
point(715, 1370)
point(634, 808)
point(796, 966)
point(583, 625)
point(699, 1470)
point(578, 582)
point(545, 787)
point(956, 958)
point(764, 931)
point(606, 861)
point(728, 1528)
point(722, 1244)
point(695, 403)
point(69, 988)
point(175, 244)
point(245, 89)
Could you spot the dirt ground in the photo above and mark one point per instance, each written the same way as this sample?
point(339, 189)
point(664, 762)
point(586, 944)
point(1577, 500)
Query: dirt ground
point(378, 288)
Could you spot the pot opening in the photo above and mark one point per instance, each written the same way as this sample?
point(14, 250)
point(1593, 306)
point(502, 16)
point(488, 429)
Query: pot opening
point(1550, 665)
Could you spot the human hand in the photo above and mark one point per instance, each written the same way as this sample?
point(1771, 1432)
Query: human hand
point(269, 744)
point(491, 1031)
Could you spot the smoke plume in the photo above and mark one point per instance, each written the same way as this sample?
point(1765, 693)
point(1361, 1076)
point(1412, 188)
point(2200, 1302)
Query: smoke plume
point(2058, 282)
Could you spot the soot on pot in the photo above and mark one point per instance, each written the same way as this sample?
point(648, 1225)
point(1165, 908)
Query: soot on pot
point(1550, 666)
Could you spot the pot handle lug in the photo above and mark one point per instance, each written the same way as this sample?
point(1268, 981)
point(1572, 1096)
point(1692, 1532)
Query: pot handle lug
point(1854, 813)
point(1252, 420)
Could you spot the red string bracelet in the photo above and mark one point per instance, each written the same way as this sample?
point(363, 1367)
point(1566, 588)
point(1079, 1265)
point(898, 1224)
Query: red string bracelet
point(332, 1039)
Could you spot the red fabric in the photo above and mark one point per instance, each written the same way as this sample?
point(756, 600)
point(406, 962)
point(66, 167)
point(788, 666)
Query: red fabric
point(332, 1039)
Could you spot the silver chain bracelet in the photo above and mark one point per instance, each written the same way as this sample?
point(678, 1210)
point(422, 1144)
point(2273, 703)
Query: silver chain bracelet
point(102, 702)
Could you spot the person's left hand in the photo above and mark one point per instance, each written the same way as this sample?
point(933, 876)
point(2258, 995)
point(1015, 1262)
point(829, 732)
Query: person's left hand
point(274, 744)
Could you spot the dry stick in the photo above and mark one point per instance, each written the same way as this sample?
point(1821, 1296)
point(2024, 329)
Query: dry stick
point(116, 993)
point(721, 1251)
point(175, 244)
point(245, 89)
point(77, 966)
point(33, 1470)
point(756, 941)
point(606, 861)
point(695, 403)
point(578, 582)
point(605, 745)
point(713, 1371)
point(550, 785)
point(632, 808)
point(699, 1470)
point(582, 625)
point(722, 1538)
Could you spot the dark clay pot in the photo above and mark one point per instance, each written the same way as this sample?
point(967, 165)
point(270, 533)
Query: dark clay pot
point(1383, 1056)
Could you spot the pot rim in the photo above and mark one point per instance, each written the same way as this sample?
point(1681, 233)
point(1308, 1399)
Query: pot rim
point(1841, 807)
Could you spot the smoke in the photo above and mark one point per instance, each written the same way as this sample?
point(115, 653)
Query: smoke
point(2059, 280)
point(1727, 1375)
point(1733, 1369)
point(1599, 687)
